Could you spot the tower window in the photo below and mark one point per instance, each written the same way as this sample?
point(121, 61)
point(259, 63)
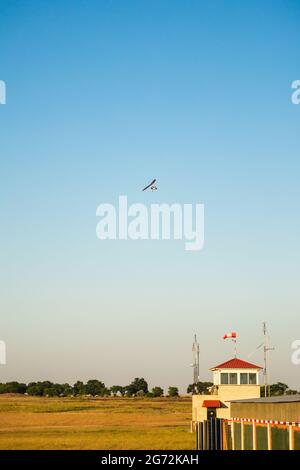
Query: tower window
point(233, 378)
point(224, 378)
point(243, 379)
point(252, 379)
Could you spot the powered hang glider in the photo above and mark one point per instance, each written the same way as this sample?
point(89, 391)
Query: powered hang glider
point(152, 186)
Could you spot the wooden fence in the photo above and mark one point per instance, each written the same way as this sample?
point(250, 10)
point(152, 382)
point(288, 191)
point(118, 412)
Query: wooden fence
point(246, 434)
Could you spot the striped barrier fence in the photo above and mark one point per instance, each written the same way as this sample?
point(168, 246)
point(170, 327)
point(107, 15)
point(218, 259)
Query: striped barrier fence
point(246, 434)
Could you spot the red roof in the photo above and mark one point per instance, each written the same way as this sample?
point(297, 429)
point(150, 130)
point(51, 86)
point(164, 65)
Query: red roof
point(236, 363)
point(211, 404)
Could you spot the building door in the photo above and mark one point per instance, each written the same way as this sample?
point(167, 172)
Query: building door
point(211, 413)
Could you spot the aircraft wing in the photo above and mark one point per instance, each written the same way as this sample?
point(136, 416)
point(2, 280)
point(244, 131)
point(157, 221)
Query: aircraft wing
point(149, 185)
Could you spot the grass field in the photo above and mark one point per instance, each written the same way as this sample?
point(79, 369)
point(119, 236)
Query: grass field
point(95, 423)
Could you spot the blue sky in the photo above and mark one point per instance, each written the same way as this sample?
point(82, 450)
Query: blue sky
point(101, 97)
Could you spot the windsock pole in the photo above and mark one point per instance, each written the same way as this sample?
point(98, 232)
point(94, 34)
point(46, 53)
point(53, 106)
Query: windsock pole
point(233, 336)
point(235, 348)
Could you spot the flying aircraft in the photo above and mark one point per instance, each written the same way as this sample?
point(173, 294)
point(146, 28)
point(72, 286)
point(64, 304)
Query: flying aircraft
point(152, 186)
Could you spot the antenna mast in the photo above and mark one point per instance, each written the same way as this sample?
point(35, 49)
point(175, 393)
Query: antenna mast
point(196, 353)
point(266, 371)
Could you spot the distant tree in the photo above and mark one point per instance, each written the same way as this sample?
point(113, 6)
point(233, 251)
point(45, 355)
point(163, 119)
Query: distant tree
point(79, 388)
point(276, 389)
point(157, 392)
point(38, 388)
point(95, 387)
point(58, 390)
point(199, 388)
point(115, 389)
point(51, 392)
point(137, 385)
point(173, 392)
point(67, 390)
point(291, 392)
point(45, 384)
point(34, 389)
point(13, 387)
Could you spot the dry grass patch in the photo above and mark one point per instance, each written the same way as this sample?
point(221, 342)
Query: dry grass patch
point(94, 423)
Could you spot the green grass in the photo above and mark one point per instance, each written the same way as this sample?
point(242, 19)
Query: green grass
point(98, 438)
point(95, 423)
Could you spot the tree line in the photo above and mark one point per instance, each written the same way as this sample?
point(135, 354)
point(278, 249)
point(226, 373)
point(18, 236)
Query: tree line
point(277, 389)
point(137, 388)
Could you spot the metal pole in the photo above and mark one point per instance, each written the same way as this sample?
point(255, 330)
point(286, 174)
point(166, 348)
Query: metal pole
point(196, 354)
point(198, 366)
point(265, 356)
point(266, 361)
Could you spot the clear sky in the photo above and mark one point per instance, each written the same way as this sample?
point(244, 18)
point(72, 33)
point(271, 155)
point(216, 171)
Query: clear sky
point(101, 97)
